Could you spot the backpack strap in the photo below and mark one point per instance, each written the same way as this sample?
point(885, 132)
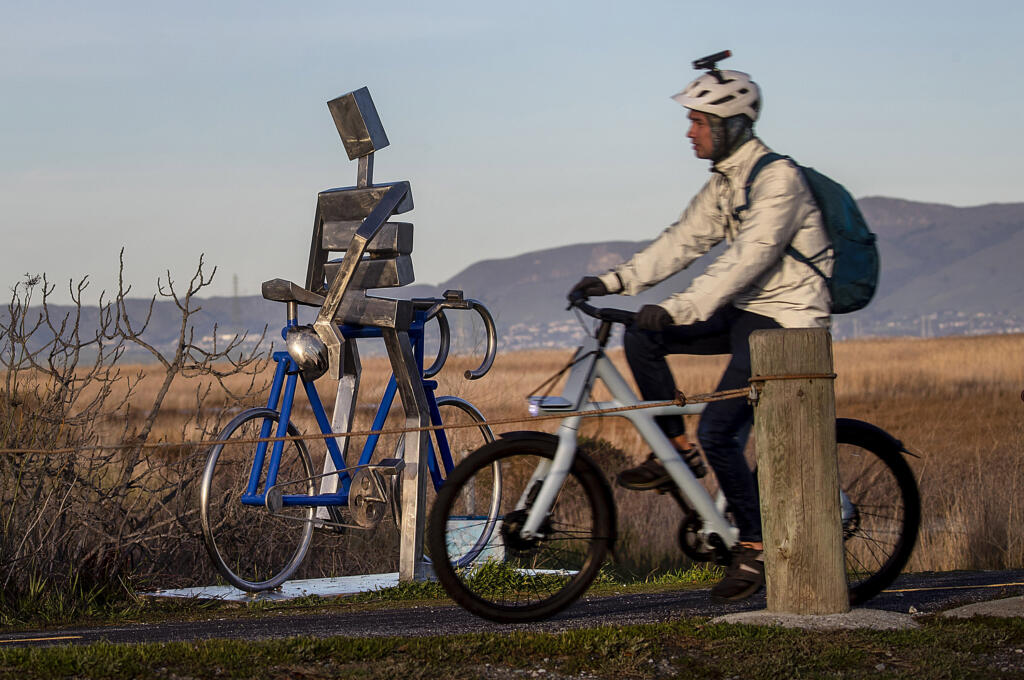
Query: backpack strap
point(764, 160)
point(809, 261)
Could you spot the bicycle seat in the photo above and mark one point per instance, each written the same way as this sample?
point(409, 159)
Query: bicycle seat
point(554, 403)
point(368, 310)
point(280, 290)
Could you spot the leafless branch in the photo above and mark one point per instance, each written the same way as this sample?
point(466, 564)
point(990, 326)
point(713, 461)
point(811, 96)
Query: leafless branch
point(99, 515)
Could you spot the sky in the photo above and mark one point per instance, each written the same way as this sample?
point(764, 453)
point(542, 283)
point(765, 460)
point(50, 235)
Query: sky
point(174, 130)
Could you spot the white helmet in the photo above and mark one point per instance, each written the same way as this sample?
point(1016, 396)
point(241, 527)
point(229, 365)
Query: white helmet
point(723, 94)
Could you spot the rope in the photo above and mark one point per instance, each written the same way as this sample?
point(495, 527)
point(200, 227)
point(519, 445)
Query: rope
point(680, 400)
point(795, 376)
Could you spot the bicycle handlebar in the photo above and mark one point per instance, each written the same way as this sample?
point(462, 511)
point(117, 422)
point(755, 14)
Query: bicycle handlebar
point(609, 314)
point(453, 300)
point(492, 341)
point(442, 350)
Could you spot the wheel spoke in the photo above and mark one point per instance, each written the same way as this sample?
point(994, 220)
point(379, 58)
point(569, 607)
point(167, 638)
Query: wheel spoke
point(517, 578)
point(882, 527)
point(252, 548)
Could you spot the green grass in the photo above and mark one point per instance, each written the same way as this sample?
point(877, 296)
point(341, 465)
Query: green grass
point(689, 648)
point(43, 602)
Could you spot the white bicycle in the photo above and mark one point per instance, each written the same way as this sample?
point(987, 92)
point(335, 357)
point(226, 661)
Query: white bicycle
point(556, 519)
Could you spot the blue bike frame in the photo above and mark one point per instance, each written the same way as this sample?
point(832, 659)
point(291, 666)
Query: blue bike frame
point(282, 396)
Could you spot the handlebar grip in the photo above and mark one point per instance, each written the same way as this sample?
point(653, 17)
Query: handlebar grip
point(445, 345)
point(609, 314)
point(576, 298)
point(492, 341)
point(622, 316)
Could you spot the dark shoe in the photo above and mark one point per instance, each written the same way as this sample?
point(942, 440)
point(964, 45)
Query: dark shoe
point(651, 474)
point(743, 578)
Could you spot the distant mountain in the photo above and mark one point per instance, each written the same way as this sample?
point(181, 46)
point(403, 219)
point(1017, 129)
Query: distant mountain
point(945, 270)
point(939, 258)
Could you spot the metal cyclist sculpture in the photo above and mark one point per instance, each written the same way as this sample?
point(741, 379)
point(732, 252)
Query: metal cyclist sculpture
point(247, 485)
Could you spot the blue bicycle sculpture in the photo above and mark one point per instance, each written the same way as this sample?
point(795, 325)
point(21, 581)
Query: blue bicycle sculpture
point(261, 501)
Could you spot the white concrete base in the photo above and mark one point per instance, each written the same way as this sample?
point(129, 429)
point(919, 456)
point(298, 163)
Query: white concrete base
point(872, 619)
point(1006, 608)
point(290, 590)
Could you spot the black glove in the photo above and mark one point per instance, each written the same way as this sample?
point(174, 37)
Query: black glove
point(653, 318)
point(589, 286)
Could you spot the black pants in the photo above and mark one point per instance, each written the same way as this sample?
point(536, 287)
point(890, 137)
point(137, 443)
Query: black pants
point(724, 425)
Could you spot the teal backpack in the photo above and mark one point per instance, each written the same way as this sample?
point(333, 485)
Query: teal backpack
point(855, 253)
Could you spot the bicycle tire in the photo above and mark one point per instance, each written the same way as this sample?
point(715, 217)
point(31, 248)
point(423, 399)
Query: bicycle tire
point(517, 579)
point(252, 548)
point(882, 519)
point(461, 442)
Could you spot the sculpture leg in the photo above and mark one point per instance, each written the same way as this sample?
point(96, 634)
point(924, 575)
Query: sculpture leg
point(342, 420)
point(411, 566)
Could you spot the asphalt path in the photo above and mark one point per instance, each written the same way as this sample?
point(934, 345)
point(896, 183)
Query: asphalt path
point(911, 593)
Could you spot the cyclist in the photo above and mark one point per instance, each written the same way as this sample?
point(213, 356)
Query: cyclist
point(751, 285)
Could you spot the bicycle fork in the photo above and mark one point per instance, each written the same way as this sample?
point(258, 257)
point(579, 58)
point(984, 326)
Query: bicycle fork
point(550, 475)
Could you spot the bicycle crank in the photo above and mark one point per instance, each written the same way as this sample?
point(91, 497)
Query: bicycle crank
point(367, 498)
point(697, 545)
point(691, 540)
point(511, 532)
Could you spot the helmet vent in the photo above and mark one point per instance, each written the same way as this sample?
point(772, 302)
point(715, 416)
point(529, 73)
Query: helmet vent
point(726, 98)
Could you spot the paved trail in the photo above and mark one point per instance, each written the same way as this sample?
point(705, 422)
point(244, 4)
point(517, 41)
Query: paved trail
point(922, 593)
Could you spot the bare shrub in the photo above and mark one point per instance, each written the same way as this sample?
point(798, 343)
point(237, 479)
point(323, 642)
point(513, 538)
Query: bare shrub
point(73, 509)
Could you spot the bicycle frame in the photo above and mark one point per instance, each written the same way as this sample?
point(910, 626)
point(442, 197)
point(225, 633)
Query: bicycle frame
point(592, 364)
point(282, 397)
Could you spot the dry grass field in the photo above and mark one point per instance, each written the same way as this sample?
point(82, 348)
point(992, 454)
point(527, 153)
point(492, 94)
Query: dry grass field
point(955, 402)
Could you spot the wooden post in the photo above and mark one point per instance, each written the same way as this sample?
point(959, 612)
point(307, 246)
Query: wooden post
point(794, 423)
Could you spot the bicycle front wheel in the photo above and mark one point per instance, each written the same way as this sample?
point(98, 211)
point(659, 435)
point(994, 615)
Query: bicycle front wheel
point(253, 548)
point(517, 578)
point(880, 507)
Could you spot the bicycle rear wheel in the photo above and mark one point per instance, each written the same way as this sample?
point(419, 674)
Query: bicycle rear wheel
point(251, 547)
point(465, 431)
point(515, 578)
point(880, 507)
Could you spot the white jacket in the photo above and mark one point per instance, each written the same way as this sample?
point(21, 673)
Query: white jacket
point(754, 273)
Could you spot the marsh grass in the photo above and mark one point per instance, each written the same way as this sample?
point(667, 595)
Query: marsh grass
point(954, 402)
